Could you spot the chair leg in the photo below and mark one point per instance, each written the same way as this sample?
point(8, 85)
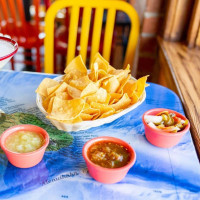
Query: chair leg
point(38, 64)
point(54, 61)
point(63, 63)
point(28, 60)
point(12, 63)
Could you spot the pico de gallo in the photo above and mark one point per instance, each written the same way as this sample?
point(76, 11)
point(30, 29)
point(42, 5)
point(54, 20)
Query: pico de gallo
point(166, 121)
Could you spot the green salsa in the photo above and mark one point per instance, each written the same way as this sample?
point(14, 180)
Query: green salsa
point(109, 154)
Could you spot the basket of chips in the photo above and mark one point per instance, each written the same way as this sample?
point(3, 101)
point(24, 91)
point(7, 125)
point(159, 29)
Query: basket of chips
point(81, 99)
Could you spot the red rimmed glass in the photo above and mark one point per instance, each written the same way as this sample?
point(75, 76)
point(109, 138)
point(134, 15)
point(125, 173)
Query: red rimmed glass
point(8, 48)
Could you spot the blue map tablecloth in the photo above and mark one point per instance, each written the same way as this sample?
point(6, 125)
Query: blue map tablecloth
point(158, 173)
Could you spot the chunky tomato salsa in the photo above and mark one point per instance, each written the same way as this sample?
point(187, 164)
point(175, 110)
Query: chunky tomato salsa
point(109, 154)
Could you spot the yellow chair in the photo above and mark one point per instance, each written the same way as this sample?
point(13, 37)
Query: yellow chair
point(111, 6)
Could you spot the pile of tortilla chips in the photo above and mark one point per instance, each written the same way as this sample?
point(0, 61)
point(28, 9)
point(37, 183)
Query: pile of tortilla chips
point(83, 96)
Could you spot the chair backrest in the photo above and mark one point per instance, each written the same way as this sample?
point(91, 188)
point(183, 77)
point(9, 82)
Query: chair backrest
point(100, 6)
point(12, 14)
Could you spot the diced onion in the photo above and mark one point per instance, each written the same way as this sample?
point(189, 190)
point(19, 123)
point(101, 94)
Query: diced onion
point(153, 119)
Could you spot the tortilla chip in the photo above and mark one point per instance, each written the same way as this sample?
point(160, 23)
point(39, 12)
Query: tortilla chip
point(107, 99)
point(134, 98)
point(63, 95)
point(141, 83)
point(111, 85)
point(61, 88)
point(50, 105)
point(108, 113)
point(115, 96)
point(91, 111)
point(90, 89)
point(97, 74)
point(100, 96)
point(123, 103)
point(80, 83)
point(120, 74)
point(45, 102)
point(127, 68)
point(118, 111)
point(96, 67)
point(110, 69)
point(46, 83)
point(73, 92)
point(67, 78)
point(102, 63)
point(76, 67)
point(130, 87)
point(66, 109)
point(123, 83)
point(87, 106)
point(99, 83)
point(52, 89)
point(101, 74)
point(86, 117)
point(102, 107)
point(96, 116)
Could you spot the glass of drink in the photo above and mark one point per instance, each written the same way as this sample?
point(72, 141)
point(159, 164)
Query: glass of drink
point(8, 48)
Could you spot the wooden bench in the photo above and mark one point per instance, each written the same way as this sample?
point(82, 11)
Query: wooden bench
point(180, 71)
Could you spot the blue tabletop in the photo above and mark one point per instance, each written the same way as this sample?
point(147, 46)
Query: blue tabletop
point(172, 173)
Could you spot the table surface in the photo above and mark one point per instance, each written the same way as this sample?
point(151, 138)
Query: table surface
point(158, 173)
point(184, 66)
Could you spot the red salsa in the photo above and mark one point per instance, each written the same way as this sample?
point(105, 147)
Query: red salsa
point(109, 154)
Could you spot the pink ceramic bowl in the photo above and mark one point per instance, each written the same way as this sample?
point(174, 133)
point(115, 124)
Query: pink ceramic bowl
point(160, 138)
point(107, 175)
point(24, 160)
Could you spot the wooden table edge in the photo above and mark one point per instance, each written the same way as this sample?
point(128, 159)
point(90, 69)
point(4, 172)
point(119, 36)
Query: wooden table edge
point(194, 133)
